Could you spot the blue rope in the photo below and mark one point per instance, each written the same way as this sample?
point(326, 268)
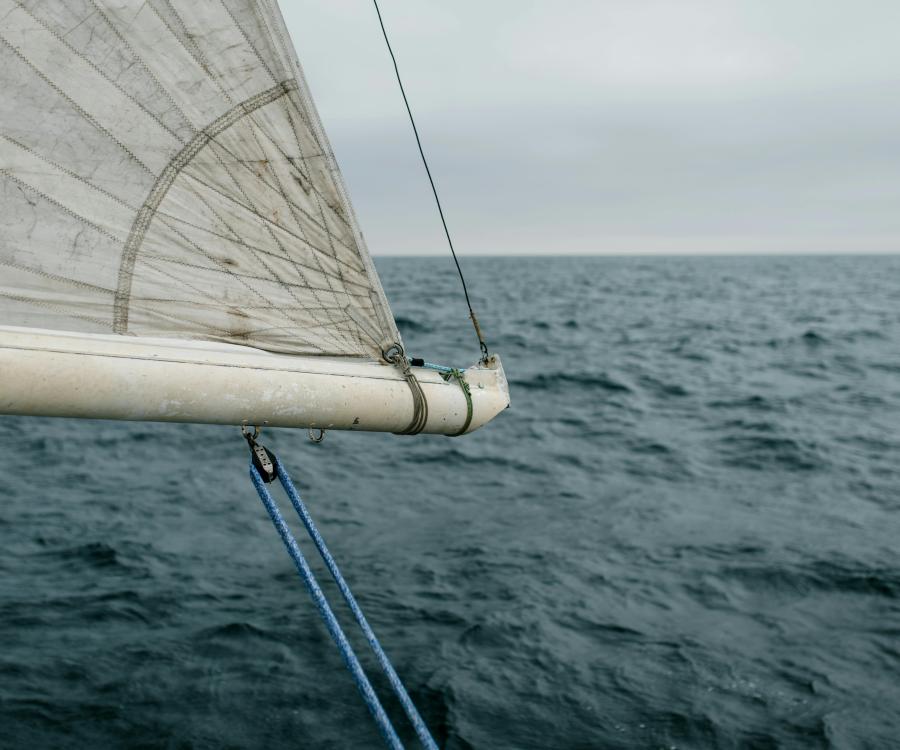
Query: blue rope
point(439, 368)
point(327, 614)
point(362, 682)
point(386, 666)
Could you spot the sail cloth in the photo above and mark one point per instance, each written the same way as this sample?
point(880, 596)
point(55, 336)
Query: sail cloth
point(165, 173)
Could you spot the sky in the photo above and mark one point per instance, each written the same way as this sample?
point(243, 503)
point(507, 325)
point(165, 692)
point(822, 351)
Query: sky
point(614, 126)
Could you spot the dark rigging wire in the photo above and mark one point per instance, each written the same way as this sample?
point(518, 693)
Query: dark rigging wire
point(484, 349)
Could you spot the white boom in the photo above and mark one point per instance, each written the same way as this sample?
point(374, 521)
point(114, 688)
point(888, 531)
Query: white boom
point(100, 376)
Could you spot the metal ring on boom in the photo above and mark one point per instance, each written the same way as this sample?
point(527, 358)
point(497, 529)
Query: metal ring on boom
point(392, 353)
point(316, 438)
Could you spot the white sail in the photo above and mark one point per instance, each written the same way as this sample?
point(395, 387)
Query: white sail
point(165, 174)
point(165, 177)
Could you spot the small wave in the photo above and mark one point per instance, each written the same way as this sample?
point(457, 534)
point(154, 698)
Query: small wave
point(409, 325)
point(436, 703)
point(456, 457)
point(810, 338)
point(813, 338)
point(820, 576)
point(485, 636)
point(235, 631)
point(661, 388)
point(763, 452)
point(440, 617)
point(862, 334)
point(717, 551)
point(754, 403)
point(735, 425)
point(580, 380)
point(515, 340)
point(649, 448)
point(99, 554)
point(602, 630)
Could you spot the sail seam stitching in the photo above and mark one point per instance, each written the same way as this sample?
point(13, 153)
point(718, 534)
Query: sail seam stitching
point(318, 200)
point(252, 209)
point(106, 77)
point(49, 306)
point(188, 264)
point(275, 239)
point(239, 279)
point(249, 206)
point(197, 54)
point(226, 332)
point(65, 170)
point(164, 183)
point(383, 309)
point(143, 63)
point(168, 218)
point(309, 115)
point(55, 277)
point(323, 154)
point(105, 232)
point(247, 39)
point(308, 215)
point(293, 211)
point(304, 158)
point(83, 112)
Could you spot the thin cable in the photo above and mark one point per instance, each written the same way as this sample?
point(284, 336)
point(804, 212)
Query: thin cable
point(437, 200)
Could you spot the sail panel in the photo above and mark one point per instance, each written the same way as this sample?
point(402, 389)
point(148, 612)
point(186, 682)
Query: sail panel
point(164, 173)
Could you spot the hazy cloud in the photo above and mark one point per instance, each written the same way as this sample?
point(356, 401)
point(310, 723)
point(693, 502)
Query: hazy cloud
point(615, 126)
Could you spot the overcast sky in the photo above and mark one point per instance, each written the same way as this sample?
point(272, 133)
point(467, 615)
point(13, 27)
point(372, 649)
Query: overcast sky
point(615, 126)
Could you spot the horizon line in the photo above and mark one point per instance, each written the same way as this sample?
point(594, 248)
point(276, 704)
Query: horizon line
point(680, 254)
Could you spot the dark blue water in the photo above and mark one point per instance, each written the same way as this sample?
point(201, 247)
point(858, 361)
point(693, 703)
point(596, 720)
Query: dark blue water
point(684, 534)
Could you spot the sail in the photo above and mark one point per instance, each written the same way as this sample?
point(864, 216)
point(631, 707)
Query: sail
point(165, 173)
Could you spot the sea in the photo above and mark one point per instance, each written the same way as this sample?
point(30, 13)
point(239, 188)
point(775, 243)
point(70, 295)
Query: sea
point(684, 533)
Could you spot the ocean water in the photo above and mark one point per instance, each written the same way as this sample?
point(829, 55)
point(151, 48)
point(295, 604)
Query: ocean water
point(685, 533)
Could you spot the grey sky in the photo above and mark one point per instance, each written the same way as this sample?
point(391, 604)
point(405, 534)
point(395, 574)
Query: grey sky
point(615, 126)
